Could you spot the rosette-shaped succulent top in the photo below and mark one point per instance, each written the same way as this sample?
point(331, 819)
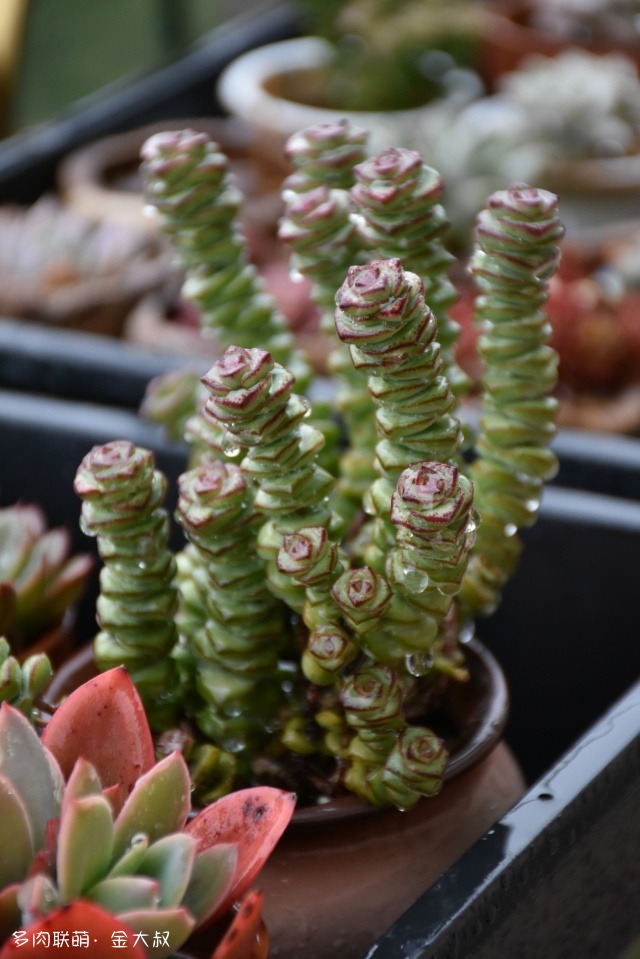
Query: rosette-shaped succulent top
point(398, 199)
point(325, 155)
point(252, 396)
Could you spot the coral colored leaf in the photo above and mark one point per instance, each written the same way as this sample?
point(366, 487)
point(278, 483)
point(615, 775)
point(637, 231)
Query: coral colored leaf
point(158, 805)
point(85, 844)
point(101, 929)
point(104, 721)
point(16, 840)
point(164, 930)
point(211, 882)
point(254, 819)
point(247, 932)
point(25, 763)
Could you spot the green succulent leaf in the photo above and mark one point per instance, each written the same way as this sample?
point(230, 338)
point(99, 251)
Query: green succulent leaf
point(34, 773)
point(124, 893)
point(85, 843)
point(20, 525)
point(38, 896)
point(16, 840)
point(10, 679)
point(211, 880)
point(83, 781)
point(129, 862)
point(164, 930)
point(158, 804)
point(170, 862)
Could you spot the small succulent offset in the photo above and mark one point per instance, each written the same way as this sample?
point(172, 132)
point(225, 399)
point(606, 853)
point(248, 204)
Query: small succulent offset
point(94, 834)
point(22, 684)
point(39, 579)
point(317, 613)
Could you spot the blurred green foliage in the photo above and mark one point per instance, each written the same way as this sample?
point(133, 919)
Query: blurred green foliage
point(72, 48)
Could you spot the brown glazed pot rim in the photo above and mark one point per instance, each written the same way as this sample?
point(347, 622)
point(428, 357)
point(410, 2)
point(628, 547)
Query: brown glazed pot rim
point(480, 708)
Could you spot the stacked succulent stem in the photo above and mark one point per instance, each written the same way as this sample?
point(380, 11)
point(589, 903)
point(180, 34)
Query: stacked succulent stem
point(251, 397)
point(515, 257)
point(319, 227)
point(382, 315)
point(122, 496)
point(398, 199)
point(237, 645)
point(317, 222)
point(189, 186)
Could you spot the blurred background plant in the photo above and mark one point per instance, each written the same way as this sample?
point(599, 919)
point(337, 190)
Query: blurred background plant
point(39, 578)
point(552, 110)
point(390, 56)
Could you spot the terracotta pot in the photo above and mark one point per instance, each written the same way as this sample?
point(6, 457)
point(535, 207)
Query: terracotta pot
point(259, 87)
point(514, 37)
point(343, 871)
point(102, 180)
point(59, 268)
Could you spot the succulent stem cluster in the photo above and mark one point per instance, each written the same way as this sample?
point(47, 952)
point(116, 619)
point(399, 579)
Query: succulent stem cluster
point(307, 630)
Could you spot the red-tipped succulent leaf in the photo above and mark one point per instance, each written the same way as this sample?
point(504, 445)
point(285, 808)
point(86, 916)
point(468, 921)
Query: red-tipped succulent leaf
point(104, 722)
point(254, 820)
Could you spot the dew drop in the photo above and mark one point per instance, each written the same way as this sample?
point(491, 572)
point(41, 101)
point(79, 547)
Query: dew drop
point(229, 444)
point(419, 664)
point(414, 580)
point(510, 529)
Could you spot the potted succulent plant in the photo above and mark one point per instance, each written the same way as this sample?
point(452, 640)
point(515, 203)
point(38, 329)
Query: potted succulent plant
point(40, 582)
point(316, 624)
point(59, 267)
point(394, 69)
point(549, 27)
point(569, 122)
point(99, 849)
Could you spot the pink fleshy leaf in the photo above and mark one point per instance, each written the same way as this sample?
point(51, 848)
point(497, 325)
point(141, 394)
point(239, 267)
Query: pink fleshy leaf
point(103, 721)
point(78, 919)
point(246, 937)
point(253, 819)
